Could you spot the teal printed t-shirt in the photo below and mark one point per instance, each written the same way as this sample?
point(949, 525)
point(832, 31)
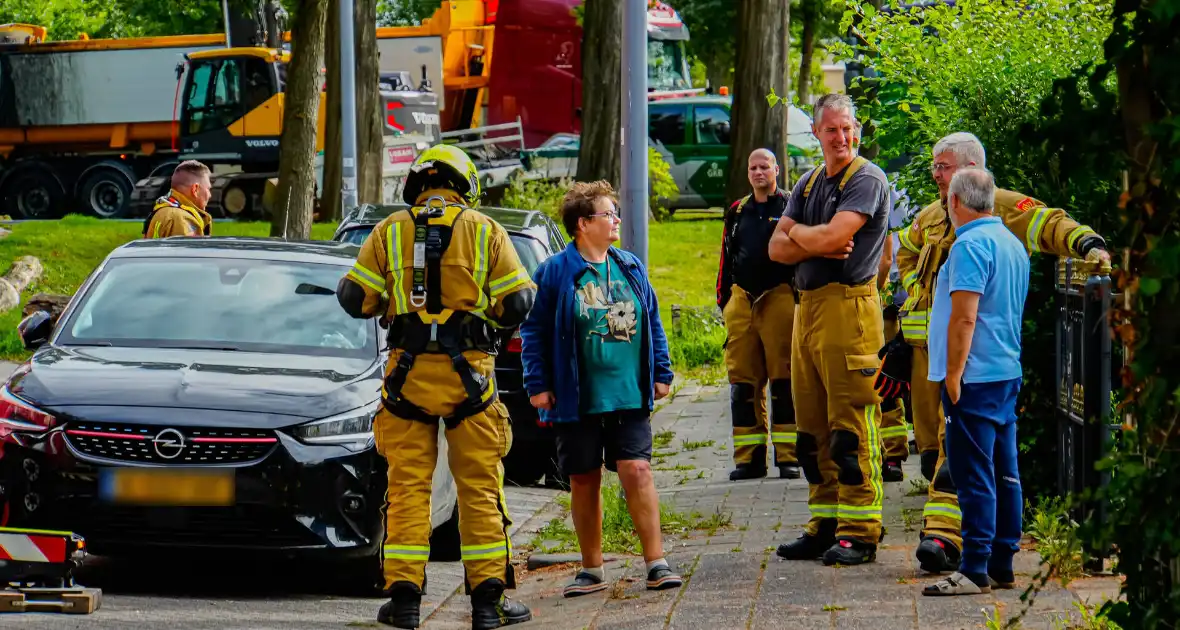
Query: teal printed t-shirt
point(610, 340)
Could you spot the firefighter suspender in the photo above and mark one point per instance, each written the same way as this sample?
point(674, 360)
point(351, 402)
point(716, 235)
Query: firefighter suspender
point(437, 330)
point(855, 166)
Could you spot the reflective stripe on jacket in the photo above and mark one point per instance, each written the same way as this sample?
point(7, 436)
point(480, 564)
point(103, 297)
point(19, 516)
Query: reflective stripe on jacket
point(927, 241)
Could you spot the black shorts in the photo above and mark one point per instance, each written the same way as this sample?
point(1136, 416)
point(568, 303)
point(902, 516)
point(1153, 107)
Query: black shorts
point(608, 438)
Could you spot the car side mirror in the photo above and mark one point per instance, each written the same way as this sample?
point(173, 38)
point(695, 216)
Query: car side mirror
point(35, 329)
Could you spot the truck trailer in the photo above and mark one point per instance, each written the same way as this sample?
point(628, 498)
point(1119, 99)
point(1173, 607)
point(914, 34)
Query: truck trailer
point(81, 121)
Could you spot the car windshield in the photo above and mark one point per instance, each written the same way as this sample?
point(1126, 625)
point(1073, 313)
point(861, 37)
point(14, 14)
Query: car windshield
point(220, 304)
point(531, 252)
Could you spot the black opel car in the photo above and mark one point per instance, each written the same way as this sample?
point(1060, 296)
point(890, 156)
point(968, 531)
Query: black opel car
point(535, 237)
point(207, 394)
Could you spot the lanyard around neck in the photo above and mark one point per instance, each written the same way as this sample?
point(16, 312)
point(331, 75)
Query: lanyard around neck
point(610, 293)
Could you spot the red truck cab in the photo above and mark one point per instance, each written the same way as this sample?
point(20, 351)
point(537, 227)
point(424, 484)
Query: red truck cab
point(537, 66)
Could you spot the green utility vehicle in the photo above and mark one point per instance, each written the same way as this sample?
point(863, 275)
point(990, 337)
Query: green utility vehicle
point(692, 134)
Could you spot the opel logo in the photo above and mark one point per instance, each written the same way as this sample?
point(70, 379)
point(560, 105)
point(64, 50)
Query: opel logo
point(169, 443)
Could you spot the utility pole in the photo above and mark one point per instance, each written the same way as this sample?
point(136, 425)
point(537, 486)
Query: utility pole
point(634, 133)
point(225, 14)
point(347, 71)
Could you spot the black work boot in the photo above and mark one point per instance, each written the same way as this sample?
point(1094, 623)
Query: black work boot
point(849, 552)
point(491, 609)
point(936, 554)
point(808, 547)
point(747, 471)
point(401, 611)
point(929, 462)
point(892, 471)
point(789, 471)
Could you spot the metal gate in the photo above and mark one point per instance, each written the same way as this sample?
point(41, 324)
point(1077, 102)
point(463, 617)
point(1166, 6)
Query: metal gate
point(1086, 366)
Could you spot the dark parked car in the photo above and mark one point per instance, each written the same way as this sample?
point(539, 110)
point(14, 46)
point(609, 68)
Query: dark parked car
point(535, 237)
point(207, 394)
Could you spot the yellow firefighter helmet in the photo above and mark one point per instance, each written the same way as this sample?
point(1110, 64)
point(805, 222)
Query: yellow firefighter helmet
point(442, 166)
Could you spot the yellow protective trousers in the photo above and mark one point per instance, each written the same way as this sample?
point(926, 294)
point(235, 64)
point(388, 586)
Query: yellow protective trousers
point(758, 353)
point(474, 449)
point(895, 437)
point(926, 398)
point(941, 516)
point(838, 331)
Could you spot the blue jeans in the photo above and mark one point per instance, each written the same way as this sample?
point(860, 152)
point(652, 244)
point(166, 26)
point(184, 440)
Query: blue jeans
point(981, 452)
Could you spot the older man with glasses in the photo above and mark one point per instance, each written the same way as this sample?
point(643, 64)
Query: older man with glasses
point(975, 360)
point(925, 245)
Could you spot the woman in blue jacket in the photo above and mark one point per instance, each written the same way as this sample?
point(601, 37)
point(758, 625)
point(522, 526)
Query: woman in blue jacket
point(595, 360)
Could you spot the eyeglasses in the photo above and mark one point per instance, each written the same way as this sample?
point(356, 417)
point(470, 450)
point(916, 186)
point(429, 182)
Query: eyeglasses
point(613, 215)
point(935, 168)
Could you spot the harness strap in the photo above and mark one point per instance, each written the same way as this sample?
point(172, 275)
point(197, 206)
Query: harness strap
point(418, 259)
point(437, 240)
point(452, 333)
point(432, 237)
point(480, 395)
point(857, 163)
point(742, 204)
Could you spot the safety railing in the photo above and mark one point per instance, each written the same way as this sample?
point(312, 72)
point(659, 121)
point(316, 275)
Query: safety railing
point(1087, 363)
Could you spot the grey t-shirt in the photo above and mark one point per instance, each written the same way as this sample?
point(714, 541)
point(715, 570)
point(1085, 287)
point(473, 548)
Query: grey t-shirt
point(867, 192)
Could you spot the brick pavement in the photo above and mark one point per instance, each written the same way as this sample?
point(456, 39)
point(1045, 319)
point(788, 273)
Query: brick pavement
point(733, 577)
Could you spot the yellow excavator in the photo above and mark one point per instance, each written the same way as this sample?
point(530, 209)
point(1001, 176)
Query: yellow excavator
point(231, 106)
point(231, 119)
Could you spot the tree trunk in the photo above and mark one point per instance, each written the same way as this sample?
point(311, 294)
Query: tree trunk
point(810, 11)
point(330, 199)
point(602, 47)
point(761, 66)
point(295, 201)
point(368, 105)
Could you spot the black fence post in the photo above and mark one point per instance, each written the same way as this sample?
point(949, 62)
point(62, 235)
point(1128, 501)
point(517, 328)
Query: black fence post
point(1084, 376)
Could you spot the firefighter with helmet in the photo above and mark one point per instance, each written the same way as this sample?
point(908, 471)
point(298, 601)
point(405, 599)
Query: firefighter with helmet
point(448, 281)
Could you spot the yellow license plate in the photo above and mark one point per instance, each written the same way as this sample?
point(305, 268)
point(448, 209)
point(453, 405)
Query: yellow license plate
point(174, 487)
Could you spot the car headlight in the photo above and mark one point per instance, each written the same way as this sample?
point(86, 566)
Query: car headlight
point(352, 429)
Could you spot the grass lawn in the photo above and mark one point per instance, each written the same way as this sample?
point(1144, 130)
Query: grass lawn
point(683, 255)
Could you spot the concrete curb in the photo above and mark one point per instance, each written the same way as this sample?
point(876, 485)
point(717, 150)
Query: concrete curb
point(542, 560)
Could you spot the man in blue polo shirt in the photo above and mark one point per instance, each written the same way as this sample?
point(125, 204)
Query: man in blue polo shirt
point(975, 353)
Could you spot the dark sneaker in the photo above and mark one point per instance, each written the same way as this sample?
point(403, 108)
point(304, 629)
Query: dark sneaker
point(892, 471)
point(584, 583)
point(401, 611)
point(746, 471)
point(849, 552)
point(936, 555)
point(955, 584)
point(661, 578)
point(789, 471)
point(1001, 578)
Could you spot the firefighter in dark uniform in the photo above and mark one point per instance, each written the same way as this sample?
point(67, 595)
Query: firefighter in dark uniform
point(449, 282)
point(758, 303)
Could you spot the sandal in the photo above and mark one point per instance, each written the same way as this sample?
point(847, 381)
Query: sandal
point(955, 584)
